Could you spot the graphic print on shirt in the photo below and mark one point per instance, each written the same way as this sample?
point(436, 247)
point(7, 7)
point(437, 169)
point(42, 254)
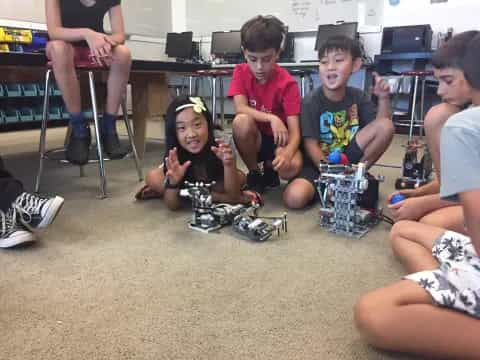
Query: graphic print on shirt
point(338, 128)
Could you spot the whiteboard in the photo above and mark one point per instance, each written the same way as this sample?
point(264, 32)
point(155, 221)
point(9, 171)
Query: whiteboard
point(146, 17)
point(23, 10)
point(207, 16)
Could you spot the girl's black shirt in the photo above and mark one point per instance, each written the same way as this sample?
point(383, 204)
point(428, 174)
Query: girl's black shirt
point(75, 14)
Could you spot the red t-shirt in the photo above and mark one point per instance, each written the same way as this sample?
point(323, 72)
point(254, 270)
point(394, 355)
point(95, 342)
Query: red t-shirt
point(279, 95)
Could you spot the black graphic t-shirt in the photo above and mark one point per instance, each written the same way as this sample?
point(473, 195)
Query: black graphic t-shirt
point(75, 14)
point(335, 124)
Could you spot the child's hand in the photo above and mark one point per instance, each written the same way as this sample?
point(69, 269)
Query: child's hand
point(224, 152)
point(408, 209)
point(280, 131)
point(282, 158)
point(381, 88)
point(175, 170)
point(99, 46)
point(406, 192)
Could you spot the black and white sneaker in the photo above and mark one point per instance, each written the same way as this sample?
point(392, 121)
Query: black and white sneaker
point(270, 178)
point(11, 232)
point(37, 212)
point(255, 181)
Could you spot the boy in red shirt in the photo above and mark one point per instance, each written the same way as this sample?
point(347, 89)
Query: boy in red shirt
point(267, 101)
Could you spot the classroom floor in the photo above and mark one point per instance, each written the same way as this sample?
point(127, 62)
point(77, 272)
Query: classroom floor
point(119, 279)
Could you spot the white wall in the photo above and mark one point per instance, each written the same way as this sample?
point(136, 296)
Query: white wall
point(461, 15)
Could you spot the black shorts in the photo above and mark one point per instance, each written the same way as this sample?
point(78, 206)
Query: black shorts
point(267, 148)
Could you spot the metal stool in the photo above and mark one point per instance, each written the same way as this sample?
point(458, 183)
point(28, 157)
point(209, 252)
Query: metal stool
point(213, 75)
point(89, 68)
point(303, 73)
point(419, 78)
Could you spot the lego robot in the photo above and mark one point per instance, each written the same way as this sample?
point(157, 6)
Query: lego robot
point(208, 217)
point(415, 173)
point(348, 198)
point(258, 228)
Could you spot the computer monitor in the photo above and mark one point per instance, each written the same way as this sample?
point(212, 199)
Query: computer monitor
point(226, 44)
point(327, 31)
point(179, 45)
point(288, 51)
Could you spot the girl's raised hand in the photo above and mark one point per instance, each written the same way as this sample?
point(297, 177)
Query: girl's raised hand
point(175, 170)
point(224, 152)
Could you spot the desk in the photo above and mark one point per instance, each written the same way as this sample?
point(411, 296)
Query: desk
point(148, 79)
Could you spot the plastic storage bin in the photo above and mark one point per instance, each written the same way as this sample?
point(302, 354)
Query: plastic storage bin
point(13, 90)
point(55, 113)
point(11, 116)
point(65, 113)
point(26, 114)
point(38, 113)
point(29, 89)
point(56, 91)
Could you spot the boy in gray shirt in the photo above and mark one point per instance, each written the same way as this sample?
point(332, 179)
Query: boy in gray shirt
point(436, 311)
point(336, 117)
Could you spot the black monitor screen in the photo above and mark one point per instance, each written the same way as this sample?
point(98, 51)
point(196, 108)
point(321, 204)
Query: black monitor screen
point(179, 45)
point(226, 44)
point(327, 31)
point(288, 52)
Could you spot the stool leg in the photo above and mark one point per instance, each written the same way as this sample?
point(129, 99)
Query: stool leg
point(414, 105)
point(310, 81)
point(214, 99)
point(103, 182)
point(43, 131)
point(130, 138)
point(302, 82)
point(190, 85)
point(222, 104)
point(422, 104)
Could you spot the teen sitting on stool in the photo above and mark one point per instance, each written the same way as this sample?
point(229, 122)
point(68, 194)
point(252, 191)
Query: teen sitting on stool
point(76, 32)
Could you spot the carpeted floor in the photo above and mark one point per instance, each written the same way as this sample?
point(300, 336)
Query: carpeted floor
point(119, 279)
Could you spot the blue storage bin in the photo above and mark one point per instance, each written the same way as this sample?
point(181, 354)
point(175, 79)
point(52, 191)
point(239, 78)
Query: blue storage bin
point(38, 113)
point(13, 90)
point(26, 114)
point(56, 91)
point(88, 114)
point(11, 116)
point(29, 89)
point(65, 113)
point(55, 113)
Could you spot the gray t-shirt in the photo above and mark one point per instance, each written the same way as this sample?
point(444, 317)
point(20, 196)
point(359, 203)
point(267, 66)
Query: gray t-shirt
point(334, 124)
point(460, 154)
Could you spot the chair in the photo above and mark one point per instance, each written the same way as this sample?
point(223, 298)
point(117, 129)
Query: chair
point(88, 67)
point(213, 75)
point(303, 73)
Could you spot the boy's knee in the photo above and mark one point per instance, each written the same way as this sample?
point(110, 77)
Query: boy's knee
point(397, 236)
point(298, 194)
point(244, 125)
point(122, 55)
point(369, 320)
point(59, 51)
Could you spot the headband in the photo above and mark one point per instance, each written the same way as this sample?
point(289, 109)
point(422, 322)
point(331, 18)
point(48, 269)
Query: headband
point(196, 103)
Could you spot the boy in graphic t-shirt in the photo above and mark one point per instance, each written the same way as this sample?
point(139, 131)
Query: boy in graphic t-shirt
point(336, 117)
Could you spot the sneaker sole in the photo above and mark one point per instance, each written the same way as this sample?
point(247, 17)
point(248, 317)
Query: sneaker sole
point(21, 237)
point(52, 212)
